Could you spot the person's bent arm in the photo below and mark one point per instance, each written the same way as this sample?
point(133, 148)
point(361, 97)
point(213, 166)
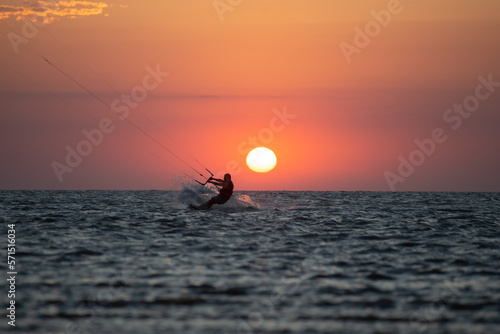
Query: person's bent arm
point(217, 182)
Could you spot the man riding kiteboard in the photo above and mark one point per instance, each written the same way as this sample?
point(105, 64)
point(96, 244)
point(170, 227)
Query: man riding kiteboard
point(225, 192)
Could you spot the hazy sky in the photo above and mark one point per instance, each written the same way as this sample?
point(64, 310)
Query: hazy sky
point(350, 95)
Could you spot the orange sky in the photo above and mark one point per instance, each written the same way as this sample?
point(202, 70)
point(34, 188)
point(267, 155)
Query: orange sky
point(231, 70)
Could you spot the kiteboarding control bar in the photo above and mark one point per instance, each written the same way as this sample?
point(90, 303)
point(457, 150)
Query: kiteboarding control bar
point(212, 175)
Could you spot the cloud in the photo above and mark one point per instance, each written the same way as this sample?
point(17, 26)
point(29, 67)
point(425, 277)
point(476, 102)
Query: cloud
point(9, 9)
point(53, 10)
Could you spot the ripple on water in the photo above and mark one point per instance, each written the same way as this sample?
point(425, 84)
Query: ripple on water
point(338, 262)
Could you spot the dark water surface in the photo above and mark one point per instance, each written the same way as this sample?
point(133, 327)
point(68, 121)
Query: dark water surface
point(304, 262)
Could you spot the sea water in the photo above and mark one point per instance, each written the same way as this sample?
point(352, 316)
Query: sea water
point(265, 262)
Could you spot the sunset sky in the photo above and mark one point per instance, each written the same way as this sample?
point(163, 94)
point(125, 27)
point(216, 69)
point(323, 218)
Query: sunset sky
point(350, 95)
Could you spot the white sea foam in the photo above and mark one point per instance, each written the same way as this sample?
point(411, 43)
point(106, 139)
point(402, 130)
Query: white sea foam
point(196, 194)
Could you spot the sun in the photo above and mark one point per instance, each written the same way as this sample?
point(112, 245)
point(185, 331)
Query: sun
point(261, 160)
